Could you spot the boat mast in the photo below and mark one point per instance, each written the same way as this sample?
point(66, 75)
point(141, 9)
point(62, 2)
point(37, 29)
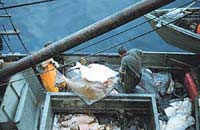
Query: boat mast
point(92, 31)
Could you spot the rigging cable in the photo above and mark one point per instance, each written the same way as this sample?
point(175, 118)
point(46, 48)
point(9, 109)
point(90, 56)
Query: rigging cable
point(122, 43)
point(19, 37)
point(136, 37)
point(139, 36)
point(36, 74)
point(7, 44)
point(4, 28)
point(126, 30)
point(25, 4)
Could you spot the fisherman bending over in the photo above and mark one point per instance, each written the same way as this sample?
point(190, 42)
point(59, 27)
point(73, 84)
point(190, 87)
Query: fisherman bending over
point(130, 70)
point(51, 78)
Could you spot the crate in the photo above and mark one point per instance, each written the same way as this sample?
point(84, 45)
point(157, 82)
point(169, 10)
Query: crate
point(143, 105)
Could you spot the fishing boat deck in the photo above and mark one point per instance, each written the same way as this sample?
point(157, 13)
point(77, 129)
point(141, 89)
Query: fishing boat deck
point(175, 63)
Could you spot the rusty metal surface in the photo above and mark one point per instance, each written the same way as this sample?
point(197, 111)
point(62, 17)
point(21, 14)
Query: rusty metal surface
point(94, 30)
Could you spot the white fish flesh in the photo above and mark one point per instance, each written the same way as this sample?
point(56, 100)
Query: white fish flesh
point(79, 119)
point(180, 122)
point(179, 114)
point(97, 72)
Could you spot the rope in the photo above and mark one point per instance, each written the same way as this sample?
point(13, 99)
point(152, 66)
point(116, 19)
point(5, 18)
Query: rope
point(25, 4)
point(4, 28)
point(19, 37)
point(7, 44)
point(126, 30)
point(136, 37)
point(37, 74)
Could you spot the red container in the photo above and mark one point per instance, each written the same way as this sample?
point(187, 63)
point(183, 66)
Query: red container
point(190, 85)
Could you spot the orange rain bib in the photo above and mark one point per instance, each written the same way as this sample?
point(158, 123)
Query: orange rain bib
point(198, 29)
point(48, 78)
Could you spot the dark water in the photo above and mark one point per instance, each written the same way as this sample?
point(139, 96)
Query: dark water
point(55, 20)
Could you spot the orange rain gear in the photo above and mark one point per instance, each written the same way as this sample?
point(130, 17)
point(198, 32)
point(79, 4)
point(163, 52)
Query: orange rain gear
point(198, 29)
point(51, 78)
point(48, 78)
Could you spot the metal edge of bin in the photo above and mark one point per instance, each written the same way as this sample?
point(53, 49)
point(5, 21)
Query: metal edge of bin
point(155, 112)
point(45, 112)
point(71, 94)
point(50, 95)
point(197, 112)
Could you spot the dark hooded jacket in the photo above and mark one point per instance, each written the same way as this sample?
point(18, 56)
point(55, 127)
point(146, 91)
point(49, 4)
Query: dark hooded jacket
point(131, 69)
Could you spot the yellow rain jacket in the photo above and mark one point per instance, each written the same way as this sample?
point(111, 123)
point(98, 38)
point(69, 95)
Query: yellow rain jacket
point(49, 77)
